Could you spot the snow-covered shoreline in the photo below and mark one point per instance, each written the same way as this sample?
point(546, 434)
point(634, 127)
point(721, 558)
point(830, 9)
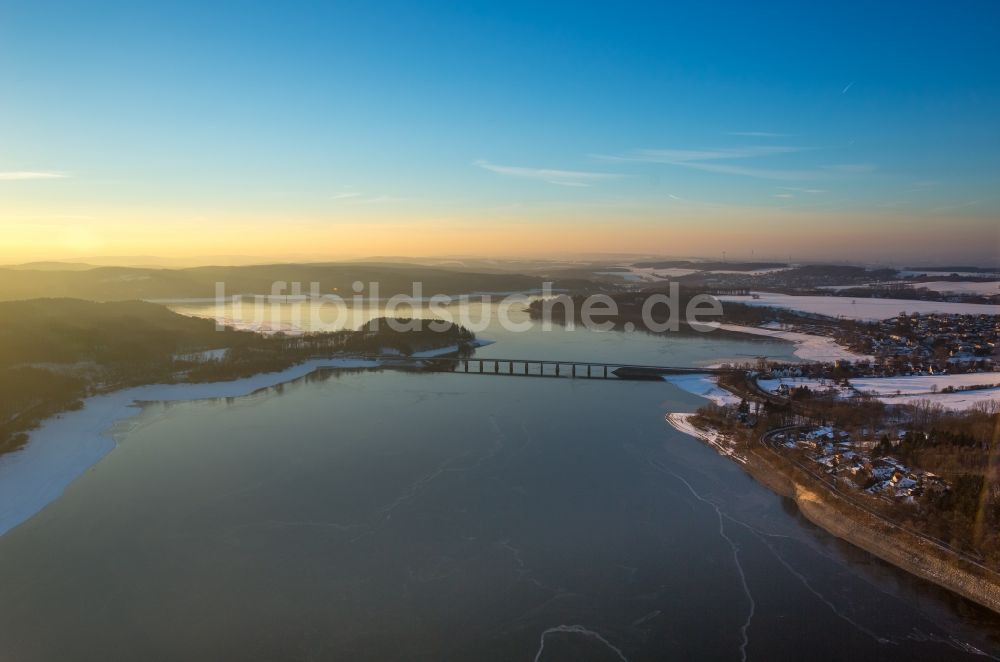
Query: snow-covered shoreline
point(808, 347)
point(705, 386)
point(682, 423)
point(444, 351)
point(63, 447)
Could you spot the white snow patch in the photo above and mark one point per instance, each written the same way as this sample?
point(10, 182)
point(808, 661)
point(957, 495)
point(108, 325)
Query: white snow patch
point(682, 423)
point(960, 400)
point(860, 308)
point(807, 346)
point(205, 356)
point(707, 386)
point(652, 274)
point(984, 288)
point(451, 349)
point(964, 274)
point(647, 274)
point(926, 384)
point(754, 272)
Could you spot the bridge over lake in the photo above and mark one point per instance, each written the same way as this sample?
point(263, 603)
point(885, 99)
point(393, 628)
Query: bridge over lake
point(474, 365)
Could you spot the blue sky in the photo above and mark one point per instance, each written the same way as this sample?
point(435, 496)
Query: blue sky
point(424, 116)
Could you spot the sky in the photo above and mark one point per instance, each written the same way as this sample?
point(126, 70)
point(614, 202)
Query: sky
point(848, 131)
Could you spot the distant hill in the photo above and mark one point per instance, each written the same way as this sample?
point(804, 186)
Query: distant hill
point(987, 270)
point(709, 266)
point(71, 330)
point(157, 262)
point(50, 266)
point(127, 283)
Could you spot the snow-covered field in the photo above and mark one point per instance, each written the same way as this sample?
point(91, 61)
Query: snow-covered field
point(926, 384)
point(807, 346)
point(652, 275)
point(964, 274)
point(704, 385)
point(958, 401)
point(984, 288)
point(861, 308)
point(672, 272)
point(647, 274)
point(755, 272)
point(65, 446)
point(906, 390)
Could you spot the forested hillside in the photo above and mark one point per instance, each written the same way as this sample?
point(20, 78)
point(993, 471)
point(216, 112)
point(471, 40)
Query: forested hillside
point(124, 283)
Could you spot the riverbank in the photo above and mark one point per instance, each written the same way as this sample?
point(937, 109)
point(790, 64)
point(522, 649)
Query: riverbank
point(682, 422)
point(878, 536)
point(862, 528)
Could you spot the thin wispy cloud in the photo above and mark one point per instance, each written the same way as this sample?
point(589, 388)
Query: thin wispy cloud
point(344, 195)
point(687, 156)
point(757, 173)
point(379, 199)
point(24, 175)
point(693, 202)
point(851, 168)
point(953, 207)
point(847, 87)
point(714, 160)
point(359, 198)
point(560, 177)
point(802, 190)
point(759, 134)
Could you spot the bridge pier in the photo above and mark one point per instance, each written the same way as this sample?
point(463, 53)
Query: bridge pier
point(603, 370)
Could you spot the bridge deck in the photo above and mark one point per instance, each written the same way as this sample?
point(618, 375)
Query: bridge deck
point(550, 367)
